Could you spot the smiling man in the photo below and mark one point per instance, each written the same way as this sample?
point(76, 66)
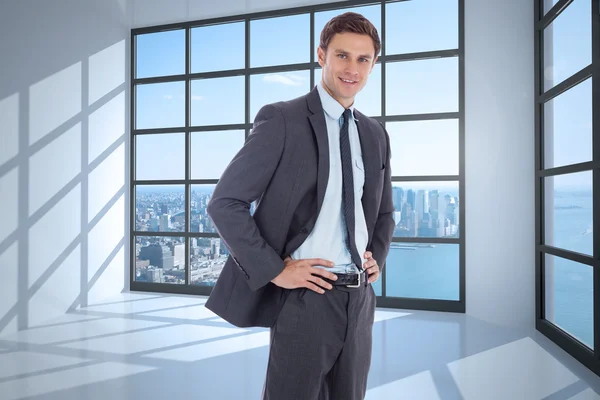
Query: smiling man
point(303, 263)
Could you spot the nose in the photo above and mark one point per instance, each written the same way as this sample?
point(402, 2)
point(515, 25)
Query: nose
point(351, 68)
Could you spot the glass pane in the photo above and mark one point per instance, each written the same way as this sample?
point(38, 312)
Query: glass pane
point(423, 270)
point(568, 43)
point(160, 105)
point(568, 127)
point(423, 86)
point(160, 208)
point(160, 54)
point(424, 147)
point(426, 209)
point(213, 151)
point(200, 221)
point(208, 256)
point(424, 25)
point(160, 259)
point(569, 297)
point(218, 47)
point(218, 101)
point(568, 207)
point(368, 100)
point(280, 41)
point(548, 4)
point(160, 157)
point(372, 13)
point(279, 86)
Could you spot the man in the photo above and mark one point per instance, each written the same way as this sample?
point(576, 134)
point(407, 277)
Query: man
point(304, 262)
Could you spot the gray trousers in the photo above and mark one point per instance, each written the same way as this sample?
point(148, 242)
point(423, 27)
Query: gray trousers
point(321, 345)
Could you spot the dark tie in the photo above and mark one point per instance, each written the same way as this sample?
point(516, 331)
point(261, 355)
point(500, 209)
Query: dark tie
point(348, 189)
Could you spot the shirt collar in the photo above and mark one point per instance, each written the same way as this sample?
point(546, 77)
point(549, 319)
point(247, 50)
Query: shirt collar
point(331, 105)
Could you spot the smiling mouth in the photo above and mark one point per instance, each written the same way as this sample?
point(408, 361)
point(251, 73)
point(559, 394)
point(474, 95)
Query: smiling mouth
point(348, 81)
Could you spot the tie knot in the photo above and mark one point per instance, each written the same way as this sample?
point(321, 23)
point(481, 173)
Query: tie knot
point(347, 114)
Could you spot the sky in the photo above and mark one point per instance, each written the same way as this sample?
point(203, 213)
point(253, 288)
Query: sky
point(425, 86)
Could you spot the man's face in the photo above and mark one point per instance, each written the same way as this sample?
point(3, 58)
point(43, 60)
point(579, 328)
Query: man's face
point(347, 63)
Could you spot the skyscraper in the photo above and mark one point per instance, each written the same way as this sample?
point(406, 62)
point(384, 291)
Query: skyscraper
point(422, 203)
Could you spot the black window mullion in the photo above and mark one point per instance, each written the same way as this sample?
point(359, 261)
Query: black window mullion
point(596, 171)
point(188, 149)
point(312, 65)
point(247, 75)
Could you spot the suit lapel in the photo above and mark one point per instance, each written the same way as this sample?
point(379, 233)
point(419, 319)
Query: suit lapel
point(371, 159)
point(368, 143)
point(317, 120)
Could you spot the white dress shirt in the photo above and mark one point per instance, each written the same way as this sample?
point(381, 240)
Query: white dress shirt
point(328, 238)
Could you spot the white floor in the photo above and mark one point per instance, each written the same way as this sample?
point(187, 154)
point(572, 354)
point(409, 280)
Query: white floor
point(171, 347)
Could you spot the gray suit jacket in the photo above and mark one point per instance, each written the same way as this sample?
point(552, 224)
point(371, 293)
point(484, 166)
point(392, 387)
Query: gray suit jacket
point(284, 166)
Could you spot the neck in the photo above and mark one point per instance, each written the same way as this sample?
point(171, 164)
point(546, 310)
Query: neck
point(346, 104)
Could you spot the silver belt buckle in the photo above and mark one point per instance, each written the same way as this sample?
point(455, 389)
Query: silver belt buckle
point(358, 284)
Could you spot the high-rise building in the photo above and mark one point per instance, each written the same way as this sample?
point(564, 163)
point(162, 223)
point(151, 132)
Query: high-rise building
point(154, 275)
point(164, 222)
point(410, 198)
point(398, 197)
point(422, 203)
point(179, 256)
point(159, 255)
point(413, 224)
point(215, 247)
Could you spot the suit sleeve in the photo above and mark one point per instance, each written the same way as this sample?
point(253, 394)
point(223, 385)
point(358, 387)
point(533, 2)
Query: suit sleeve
point(243, 181)
point(384, 227)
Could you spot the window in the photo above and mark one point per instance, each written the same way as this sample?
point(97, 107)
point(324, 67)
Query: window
point(198, 86)
point(568, 175)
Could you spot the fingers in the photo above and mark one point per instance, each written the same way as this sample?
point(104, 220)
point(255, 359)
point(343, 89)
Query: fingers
point(318, 281)
point(324, 273)
point(314, 287)
point(374, 277)
point(370, 264)
point(373, 270)
point(368, 254)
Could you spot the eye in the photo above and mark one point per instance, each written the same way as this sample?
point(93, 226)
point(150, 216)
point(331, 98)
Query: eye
point(341, 55)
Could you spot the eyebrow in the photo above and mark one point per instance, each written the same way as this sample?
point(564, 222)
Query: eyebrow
point(362, 55)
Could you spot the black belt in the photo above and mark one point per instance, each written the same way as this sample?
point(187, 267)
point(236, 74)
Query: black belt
point(349, 280)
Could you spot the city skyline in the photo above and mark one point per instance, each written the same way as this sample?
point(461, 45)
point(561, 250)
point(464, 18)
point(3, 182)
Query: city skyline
point(419, 213)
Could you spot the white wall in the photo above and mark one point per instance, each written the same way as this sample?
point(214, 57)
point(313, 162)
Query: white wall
point(64, 158)
point(157, 12)
point(500, 203)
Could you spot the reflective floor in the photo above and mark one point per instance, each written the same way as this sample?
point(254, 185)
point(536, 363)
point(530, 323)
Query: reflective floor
point(152, 346)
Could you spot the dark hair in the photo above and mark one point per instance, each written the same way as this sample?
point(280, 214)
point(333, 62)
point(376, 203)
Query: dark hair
point(349, 22)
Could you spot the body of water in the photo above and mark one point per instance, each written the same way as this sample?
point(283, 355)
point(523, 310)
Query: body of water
point(432, 272)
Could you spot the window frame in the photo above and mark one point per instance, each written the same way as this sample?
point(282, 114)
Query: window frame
point(589, 357)
point(187, 77)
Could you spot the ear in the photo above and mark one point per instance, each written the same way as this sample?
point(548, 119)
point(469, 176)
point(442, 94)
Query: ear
point(321, 56)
